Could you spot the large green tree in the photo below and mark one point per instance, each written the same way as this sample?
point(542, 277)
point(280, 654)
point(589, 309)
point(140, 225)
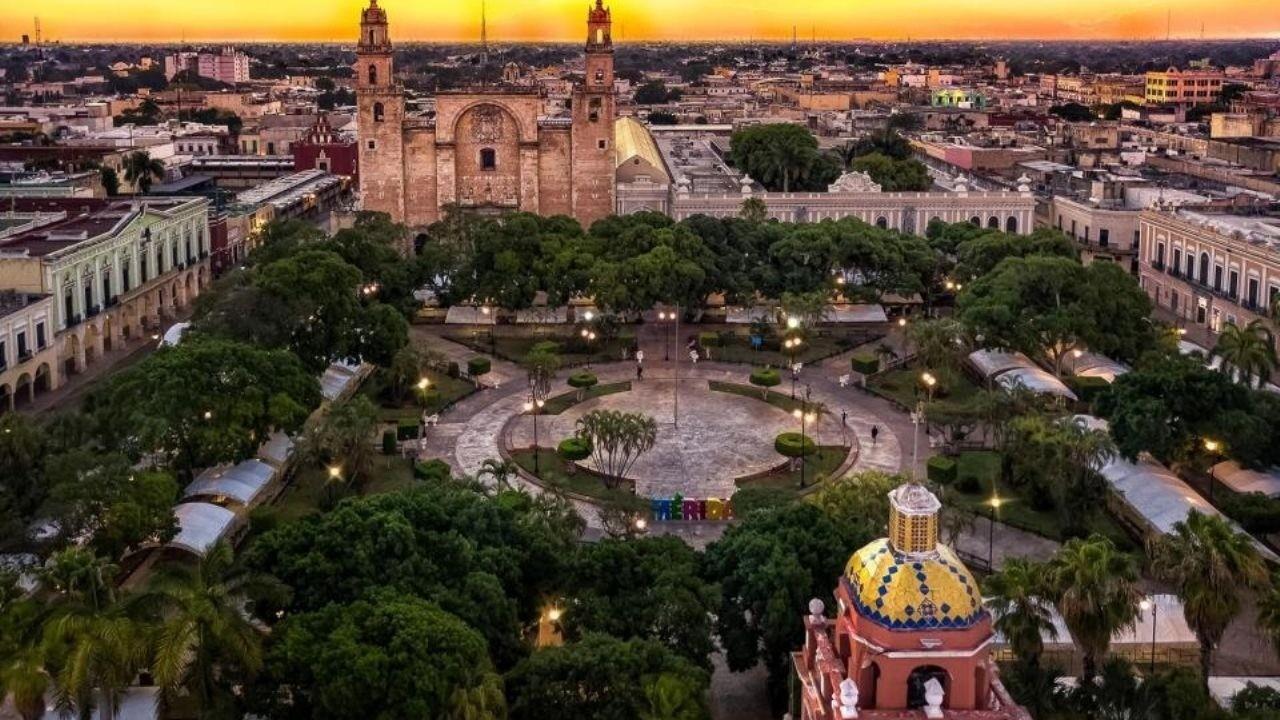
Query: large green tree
point(783, 157)
point(1094, 587)
point(604, 677)
point(206, 401)
point(102, 497)
point(387, 656)
point(644, 588)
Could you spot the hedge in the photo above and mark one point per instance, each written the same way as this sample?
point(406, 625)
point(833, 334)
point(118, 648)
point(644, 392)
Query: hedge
point(1255, 511)
point(573, 449)
point(789, 445)
point(453, 370)
point(1088, 388)
point(941, 470)
point(865, 363)
point(407, 428)
point(582, 380)
point(478, 366)
point(709, 339)
point(765, 377)
point(389, 445)
point(435, 469)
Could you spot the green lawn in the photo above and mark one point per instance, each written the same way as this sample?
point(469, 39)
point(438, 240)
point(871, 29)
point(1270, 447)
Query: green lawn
point(904, 385)
point(821, 465)
point(818, 346)
point(442, 392)
point(306, 490)
point(554, 473)
point(781, 400)
point(564, 401)
point(514, 343)
point(1016, 508)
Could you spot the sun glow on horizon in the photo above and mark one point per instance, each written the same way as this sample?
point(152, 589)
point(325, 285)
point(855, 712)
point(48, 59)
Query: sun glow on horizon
point(637, 20)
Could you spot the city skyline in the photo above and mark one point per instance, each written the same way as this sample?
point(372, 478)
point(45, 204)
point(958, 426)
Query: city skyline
point(651, 20)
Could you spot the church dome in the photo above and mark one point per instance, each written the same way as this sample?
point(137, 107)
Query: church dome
point(908, 581)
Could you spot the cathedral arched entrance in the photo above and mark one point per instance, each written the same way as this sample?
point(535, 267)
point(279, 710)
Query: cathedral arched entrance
point(917, 680)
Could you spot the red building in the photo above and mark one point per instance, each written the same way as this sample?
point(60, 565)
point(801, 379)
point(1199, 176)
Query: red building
point(324, 149)
point(911, 636)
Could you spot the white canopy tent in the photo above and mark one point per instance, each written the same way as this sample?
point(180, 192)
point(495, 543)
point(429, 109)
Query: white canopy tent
point(1244, 480)
point(543, 316)
point(1224, 689)
point(241, 483)
point(851, 314)
point(335, 381)
point(277, 450)
point(470, 315)
point(200, 526)
point(174, 334)
point(990, 363)
point(1090, 364)
point(739, 315)
point(1036, 380)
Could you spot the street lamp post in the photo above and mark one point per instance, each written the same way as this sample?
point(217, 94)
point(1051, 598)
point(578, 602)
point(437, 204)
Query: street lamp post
point(675, 385)
point(1212, 446)
point(991, 532)
point(803, 415)
point(665, 317)
point(917, 417)
point(589, 336)
point(532, 406)
point(1149, 603)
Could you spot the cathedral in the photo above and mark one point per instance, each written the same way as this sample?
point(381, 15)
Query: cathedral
point(487, 148)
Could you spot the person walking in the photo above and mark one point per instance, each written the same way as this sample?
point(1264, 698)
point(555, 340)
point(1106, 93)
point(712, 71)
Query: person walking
point(875, 433)
point(844, 418)
point(639, 371)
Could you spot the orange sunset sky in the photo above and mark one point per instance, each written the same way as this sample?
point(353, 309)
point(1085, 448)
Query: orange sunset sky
point(552, 20)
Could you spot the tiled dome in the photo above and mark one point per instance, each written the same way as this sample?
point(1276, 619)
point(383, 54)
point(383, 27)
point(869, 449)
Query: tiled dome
point(916, 591)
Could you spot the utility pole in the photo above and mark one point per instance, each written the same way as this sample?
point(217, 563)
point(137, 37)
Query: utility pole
point(484, 36)
point(1168, 25)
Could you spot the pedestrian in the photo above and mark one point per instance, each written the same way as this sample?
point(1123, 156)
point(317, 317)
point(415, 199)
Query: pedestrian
point(875, 433)
point(639, 356)
point(639, 371)
point(844, 418)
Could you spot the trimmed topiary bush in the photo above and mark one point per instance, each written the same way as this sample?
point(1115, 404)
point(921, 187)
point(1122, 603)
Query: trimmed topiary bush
point(432, 470)
point(575, 448)
point(477, 366)
point(941, 470)
point(765, 378)
point(389, 444)
point(407, 428)
point(709, 339)
point(792, 445)
point(582, 380)
point(865, 363)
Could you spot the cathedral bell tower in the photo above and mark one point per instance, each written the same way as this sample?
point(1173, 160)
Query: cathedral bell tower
point(380, 117)
point(594, 111)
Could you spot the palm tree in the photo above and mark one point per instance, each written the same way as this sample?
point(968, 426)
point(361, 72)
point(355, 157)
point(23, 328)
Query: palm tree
point(343, 439)
point(1269, 614)
point(1249, 351)
point(672, 697)
point(1021, 609)
point(140, 168)
point(847, 153)
point(99, 653)
point(936, 342)
point(480, 698)
point(77, 575)
point(1094, 587)
point(789, 161)
point(1208, 563)
point(24, 679)
point(204, 634)
point(500, 470)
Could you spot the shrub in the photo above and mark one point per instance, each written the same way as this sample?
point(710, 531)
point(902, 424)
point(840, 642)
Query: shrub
point(389, 445)
point(865, 363)
point(765, 378)
point(1255, 511)
point(709, 339)
point(582, 380)
point(263, 519)
point(1088, 388)
point(759, 497)
point(453, 371)
point(575, 448)
point(793, 445)
point(407, 428)
point(941, 470)
point(977, 471)
point(478, 366)
point(432, 470)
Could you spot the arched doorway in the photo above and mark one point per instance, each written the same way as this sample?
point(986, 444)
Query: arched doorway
point(44, 378)
point(1011, 225)
point(882, 223)
point(868, 682)
point(419, 241)
point(917, 680)
point(975, 221)
point(71, 354)
point(993, 222)
point(92, 341)
point(108, 344)
point(23, 390)
point(6, 399)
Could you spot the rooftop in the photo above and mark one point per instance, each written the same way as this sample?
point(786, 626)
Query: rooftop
point(85, 219)
point(11, 302)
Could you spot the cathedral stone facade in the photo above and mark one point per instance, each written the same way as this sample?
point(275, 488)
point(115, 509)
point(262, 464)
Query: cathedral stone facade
point(488, 148)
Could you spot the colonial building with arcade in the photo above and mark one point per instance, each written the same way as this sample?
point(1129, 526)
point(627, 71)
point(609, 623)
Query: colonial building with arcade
point(910, 636)
point(490, 148)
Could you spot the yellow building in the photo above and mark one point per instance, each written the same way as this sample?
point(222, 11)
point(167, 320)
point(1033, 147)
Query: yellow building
point(1176, 87)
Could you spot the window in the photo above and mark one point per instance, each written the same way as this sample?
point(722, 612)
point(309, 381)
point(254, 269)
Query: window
point(602, 144)
point(593, 108)
point(1204, 268)
point(88, 297)
point(1177, 258)
point(377, 112)
point(142, 265)
point(68, 306)
point(372, 145)
point(1233, 283)
point(40, 338)
point(373, 74)
point(488, 159)
point(23, 350)
point(1251, 297)
point(1011, 225)
point(1137, 237)
point(4, 359)
point(1104, 237)
point(1073, 230)
point(1160, 255)
point(1217, 277)
point(271, 148)
point(124, 277)
point(1059, 222)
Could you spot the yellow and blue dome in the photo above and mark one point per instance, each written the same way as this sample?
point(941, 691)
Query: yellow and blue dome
point(913, 591)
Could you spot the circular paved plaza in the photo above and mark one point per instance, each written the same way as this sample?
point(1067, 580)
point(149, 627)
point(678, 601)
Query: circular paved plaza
point(721, 436)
